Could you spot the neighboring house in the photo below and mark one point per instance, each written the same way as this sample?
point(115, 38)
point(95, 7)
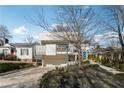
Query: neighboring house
point(7, 49)
point(52, 50)
point(86, 49)
point(23, 51)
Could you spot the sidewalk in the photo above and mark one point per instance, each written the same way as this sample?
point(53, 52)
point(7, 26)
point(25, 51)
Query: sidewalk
point(114, 71)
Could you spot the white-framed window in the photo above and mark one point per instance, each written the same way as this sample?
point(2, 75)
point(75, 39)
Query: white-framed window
point(5, 51)
point(62, 46)
point(24, 52)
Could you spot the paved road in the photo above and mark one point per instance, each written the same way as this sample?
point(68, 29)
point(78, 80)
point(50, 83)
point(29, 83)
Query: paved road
point(25, 78)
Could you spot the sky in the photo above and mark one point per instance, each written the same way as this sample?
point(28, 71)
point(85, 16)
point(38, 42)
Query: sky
point(16, 18)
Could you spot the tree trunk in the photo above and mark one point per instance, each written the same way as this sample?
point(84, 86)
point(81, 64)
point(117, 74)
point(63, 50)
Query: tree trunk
point(120, 35)
point(122, 52)
point(79, 56)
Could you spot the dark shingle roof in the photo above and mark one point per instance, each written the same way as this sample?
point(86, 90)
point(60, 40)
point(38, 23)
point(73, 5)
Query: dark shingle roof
point(22, 44)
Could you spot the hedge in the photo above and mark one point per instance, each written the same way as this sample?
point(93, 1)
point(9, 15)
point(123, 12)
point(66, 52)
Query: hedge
point(4, 67)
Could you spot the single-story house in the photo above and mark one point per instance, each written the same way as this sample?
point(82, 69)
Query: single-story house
point(23, 51)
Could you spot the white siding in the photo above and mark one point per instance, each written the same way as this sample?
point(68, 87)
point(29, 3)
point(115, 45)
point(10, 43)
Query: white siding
point(1, 50)
point(18, 53)
point(40, 50)
point(50, 49)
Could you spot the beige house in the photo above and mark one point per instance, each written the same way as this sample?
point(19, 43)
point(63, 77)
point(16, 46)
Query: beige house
point(54, 51)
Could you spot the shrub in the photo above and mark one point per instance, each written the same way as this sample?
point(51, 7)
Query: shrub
point(67, 77)
point(93, 57)
point(2, 56)
point(85, 62)
point(11, 58)
point(4, 67)
point(120, 67)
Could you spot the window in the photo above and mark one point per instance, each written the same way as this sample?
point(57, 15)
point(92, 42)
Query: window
point(5, 51)
point(62, 46)
point(24, 51)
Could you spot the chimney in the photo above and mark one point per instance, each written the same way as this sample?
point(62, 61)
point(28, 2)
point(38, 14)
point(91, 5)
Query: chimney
point(6, 41)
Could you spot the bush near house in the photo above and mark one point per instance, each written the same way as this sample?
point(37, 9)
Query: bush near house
point(116, 63)
point(88, 76)
point(4, 67)
point(1, 56)
point(85, 62)
point(9, 57)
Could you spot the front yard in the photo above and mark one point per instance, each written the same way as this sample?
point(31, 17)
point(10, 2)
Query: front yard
point(85, 76)
point(106, 61)
point(72, 76)
point(4, 67)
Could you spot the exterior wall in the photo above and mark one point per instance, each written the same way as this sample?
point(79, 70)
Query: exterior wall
point(50, 49)
point(1, 50)
point(18, 53)
point(55, 60)
point(39, 50)
point(55, 54)
point(58, 59)
point(26, 60)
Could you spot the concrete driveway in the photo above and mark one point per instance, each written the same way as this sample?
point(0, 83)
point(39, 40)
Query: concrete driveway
point(25, 78)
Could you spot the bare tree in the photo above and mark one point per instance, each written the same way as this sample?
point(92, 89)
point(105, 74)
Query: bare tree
point(114, 21)
point(29, 39)
point(75, 25)
point(4, 34)
point(113, 43)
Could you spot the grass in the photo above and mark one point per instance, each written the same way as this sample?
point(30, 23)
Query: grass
point(4, 67)
point(115, 65)
point(119, 67)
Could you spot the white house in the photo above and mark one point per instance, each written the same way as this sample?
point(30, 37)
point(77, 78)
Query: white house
point(23, 51)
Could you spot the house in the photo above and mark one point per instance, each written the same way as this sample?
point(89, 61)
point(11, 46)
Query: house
point(53, 50)
point(23, 51)
point(86, 49)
